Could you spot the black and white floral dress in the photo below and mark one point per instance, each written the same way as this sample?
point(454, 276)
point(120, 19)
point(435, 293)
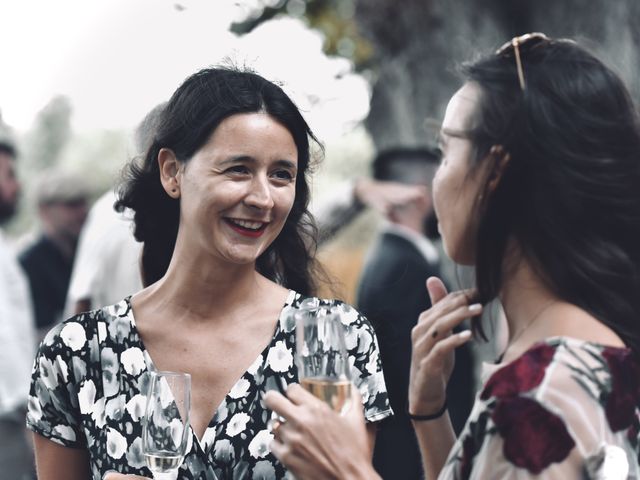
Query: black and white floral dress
point(90, 374)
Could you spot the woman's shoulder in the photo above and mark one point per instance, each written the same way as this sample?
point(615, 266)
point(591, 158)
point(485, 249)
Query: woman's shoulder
point(75, 332)
point(557, 360)
point(562, 399)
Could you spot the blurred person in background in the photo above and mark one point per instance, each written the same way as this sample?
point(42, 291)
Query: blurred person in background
point(107, 264)
point(62, 200)
point(538, 188)
point(391, 295)
point(17, 335)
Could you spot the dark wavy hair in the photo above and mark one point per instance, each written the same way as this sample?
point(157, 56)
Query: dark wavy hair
point(187, 121)
point(570, 194)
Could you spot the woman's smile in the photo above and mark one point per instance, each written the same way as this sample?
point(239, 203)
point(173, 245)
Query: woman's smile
point(248, 228)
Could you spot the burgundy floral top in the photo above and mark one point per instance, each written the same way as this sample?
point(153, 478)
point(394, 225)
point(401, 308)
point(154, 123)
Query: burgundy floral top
point(565, 409)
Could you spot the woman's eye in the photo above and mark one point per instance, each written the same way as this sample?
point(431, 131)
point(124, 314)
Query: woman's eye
point(237, 169)
point(283, 175)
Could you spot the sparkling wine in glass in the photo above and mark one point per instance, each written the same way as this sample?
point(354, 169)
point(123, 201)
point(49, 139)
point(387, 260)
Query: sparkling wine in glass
point(165, 432)
point(321, 356)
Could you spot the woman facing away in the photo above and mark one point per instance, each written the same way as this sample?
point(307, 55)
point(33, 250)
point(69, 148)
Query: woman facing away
point(539, 188)
point(220, 202)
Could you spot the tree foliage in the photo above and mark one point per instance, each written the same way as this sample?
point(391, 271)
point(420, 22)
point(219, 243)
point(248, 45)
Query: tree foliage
point(410, 48)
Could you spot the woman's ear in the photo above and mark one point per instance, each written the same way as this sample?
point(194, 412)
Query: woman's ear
point(169, 172)
point(501, 159)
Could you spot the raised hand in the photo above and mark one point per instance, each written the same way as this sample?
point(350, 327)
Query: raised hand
point(384, 196)
point(434, 343)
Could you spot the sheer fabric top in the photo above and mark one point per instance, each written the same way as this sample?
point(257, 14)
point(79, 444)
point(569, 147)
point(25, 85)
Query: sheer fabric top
point(565, 409)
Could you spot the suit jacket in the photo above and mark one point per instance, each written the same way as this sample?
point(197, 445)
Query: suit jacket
point(392, 295)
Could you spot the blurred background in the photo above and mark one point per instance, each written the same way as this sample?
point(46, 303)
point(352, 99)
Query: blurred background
point(77, 76)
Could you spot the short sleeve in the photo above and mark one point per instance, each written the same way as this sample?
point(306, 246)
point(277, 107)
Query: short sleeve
point(366, 366)
point(53, 409)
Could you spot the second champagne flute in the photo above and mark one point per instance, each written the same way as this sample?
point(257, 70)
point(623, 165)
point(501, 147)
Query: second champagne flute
point(165, 432)
point(321, 356)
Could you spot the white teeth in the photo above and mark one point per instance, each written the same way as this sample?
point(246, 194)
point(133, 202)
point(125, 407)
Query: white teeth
point(247, 224)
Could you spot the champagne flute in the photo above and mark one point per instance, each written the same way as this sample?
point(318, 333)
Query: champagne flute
point(165, 432)
point(321, 356)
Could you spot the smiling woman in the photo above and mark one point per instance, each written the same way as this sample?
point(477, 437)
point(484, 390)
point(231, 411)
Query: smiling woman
point(220, 201)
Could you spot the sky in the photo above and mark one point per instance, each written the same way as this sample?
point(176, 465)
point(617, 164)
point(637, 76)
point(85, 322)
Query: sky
point(116, 59)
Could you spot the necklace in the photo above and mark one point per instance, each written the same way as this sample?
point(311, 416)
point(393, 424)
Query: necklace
point(531, 321)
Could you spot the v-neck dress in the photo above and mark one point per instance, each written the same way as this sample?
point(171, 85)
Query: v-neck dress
point(91, 373)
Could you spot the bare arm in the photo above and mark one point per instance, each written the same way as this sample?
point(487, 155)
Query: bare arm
point(56, 462)
point(382, 196)
point(435, 439)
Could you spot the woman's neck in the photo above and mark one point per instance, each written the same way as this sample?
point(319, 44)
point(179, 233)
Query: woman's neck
point(535, 313)
point(526, 301)
point(197, 286)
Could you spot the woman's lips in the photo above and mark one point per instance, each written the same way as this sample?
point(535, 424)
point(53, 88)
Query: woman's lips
point(247, 228)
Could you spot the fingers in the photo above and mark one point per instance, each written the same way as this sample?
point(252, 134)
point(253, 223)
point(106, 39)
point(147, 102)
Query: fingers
point(440, 352)
point(299, 396)
point(438, 356)
point(452, 302)
point(442, 324)
point(436, 288)
point(279, 403)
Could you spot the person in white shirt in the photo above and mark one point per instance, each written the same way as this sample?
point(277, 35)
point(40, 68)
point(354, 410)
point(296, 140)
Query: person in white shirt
point(17, 335)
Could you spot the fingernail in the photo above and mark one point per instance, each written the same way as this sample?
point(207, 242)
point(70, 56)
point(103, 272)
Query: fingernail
point(476, 307)
point(465, 334)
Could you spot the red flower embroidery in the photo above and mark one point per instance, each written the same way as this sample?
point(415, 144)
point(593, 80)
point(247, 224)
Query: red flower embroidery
point(521, 375)
point(534, 437)
point(621, 401)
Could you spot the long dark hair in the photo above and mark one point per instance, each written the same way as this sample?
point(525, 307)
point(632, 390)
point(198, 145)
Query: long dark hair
point(194, 111)
point(570, 194)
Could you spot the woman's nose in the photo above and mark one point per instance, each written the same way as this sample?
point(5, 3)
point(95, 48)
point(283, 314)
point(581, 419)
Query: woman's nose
point(259, 195)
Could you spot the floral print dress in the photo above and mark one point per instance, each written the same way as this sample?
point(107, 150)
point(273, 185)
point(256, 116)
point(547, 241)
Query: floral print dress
point(90, 375)
point(566, 409)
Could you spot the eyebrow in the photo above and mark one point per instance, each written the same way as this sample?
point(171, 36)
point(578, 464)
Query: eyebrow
point(248, 159)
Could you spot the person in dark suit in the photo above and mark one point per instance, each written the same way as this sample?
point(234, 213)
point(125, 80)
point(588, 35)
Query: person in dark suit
point(391, 294)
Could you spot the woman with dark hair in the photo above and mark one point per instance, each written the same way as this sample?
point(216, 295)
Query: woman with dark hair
point(539, 188)
point(220, 202)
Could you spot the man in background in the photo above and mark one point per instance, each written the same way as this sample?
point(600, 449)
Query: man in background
point(17, 336)
point(392, 295)
point(62, 200)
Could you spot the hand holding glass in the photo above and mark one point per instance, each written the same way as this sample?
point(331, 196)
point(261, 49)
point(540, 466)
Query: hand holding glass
point(165, 433)
point(321, 355)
